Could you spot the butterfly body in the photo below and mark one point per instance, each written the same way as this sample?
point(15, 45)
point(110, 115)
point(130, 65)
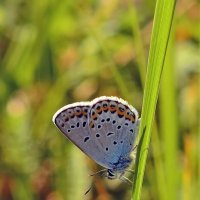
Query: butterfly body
point(104, 129)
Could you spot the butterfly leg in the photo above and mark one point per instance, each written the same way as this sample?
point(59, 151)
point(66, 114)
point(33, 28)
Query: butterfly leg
point(130, 170)
point(88, 189)
point(126, 180)
point(134, 148)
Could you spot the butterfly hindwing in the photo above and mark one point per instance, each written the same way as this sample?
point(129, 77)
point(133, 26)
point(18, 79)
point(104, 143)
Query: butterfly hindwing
point(112, 124)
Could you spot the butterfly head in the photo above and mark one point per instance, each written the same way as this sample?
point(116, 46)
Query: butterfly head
point(111, 174)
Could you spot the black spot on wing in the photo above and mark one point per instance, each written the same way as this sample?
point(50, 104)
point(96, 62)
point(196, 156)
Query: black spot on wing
point(110, 133)
point(86, 139)
point(84, 124)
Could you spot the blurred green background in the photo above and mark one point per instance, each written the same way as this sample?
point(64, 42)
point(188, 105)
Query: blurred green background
point(53, 53)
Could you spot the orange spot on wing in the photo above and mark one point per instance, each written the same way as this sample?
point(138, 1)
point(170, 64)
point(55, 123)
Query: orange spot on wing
point(72, 115)
point(112, 108)
point(99, 110)
point(133, 118)
point(128, 117)
point(91, 125)
point(119, 112)
point(77, 113)
point(94, 116)
point(84, 112)
point(105, 108)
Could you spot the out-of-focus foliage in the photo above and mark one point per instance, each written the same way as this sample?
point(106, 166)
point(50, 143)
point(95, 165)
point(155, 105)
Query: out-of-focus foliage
point(160, 38)
point(57, 52)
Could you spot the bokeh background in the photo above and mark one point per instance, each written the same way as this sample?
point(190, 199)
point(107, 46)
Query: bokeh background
point(53, 53)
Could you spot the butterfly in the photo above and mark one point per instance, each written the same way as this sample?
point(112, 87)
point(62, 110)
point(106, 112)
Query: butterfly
point(105, 129)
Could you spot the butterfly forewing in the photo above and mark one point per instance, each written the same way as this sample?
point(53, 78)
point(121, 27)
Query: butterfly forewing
point(72, 120)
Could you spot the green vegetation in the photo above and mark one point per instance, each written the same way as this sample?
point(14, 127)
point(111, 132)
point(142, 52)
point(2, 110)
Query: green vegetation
point(58, 52)
point(158, 48)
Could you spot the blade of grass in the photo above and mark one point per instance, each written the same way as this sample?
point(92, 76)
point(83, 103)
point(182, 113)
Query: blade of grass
point(161, 30)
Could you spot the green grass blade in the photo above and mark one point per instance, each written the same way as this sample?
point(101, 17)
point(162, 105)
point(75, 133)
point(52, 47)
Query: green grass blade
point(161, 31)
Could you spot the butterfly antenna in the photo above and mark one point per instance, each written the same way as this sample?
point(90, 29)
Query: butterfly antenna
point(101, 172)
